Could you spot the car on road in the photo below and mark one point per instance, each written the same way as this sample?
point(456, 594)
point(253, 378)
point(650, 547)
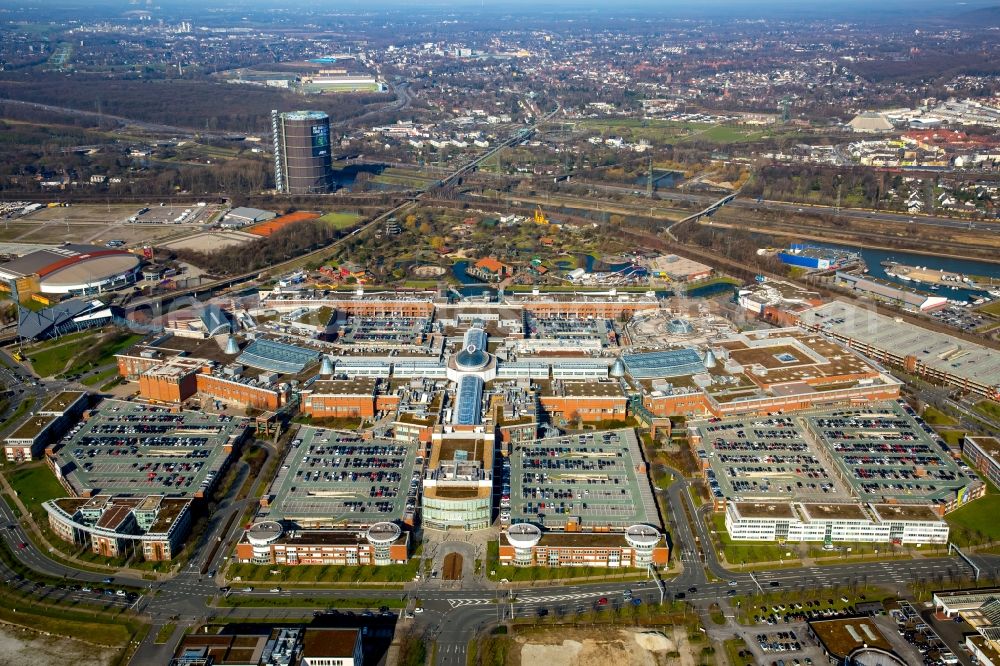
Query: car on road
point(731, 593)
point(692, 589)
point(603, 601)
point(679, 595)
point(22, 545)
point(275, 589)
point(636, 601)
point(107, 580)
point(542, 612)
point(418, 609)
point(774, 583)
point(248, 589)
point(733, 583)
point(119, 593)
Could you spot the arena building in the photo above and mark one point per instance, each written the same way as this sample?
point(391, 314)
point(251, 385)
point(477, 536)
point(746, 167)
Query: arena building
point(69, 269)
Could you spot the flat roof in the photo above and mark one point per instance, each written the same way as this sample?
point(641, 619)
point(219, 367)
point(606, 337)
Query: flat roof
point(595, 478)
point(62, 401)
point(765, 509)
point(329, 642)
point(331, 478)
point(581, 389)
point(989, 445)
point(131, 448)
point(940, 351)
point(835, 511)
point(358, 386)
point(842, 636)
point(32, 427)
point(880, 453)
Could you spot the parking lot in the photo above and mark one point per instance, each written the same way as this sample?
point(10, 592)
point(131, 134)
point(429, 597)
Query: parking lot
point(764, 458)
point(334, 478)
point(589, 477)
point(962, 318)
point(877, 453)
point(884, 453)
point(131, 448)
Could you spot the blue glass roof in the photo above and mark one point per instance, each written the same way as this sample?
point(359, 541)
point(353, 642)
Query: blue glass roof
point(470, 397)
point(674, 363)
point(277, 356)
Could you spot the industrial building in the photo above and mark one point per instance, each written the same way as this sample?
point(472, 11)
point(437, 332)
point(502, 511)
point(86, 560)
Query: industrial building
point(904, 298)
point(302, 152)
point(69, 269)
point(980, 610)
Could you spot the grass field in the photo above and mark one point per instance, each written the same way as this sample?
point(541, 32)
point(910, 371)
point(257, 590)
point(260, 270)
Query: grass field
point(393, 573)
point(976, 521)
point(989, 408)
point(79, 353)
point(33, 486)
point(737, 652)
point(340, 220)
point(100, 377)
point(935, 416)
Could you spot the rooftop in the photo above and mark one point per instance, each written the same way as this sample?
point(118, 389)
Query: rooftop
point(840, 637)
point(937, 350)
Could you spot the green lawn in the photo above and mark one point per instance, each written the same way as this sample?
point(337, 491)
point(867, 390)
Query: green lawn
point(79, 353)
point(935, 416)
point(277, 601)
point(393, 573)
point(975, 521)
point(33, 486)
point(728, 134)
point(100, 377)
point(989, 408)
point(51, 357)
point(340, 220)
point(165, 632)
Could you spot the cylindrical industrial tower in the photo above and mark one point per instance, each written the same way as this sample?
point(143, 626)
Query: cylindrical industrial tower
point(302, 152)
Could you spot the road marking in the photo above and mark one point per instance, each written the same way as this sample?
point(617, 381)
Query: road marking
point(455, 603)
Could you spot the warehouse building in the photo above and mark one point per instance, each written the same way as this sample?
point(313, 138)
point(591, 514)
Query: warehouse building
point(919, 351)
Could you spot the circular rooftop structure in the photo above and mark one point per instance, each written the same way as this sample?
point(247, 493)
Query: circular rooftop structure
point(264, 533)
point(471, 358)
point(617, 369)
point(304, 115)
point(383, 534)
point(679, 326)
point(642, 536)
point(524, 535)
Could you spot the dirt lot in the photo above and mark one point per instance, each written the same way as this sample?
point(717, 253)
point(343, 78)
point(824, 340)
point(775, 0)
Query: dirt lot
point(212, 240)
point(20, 646)
point(600, 646)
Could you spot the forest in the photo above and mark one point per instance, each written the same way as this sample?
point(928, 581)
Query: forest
point(198, 105)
